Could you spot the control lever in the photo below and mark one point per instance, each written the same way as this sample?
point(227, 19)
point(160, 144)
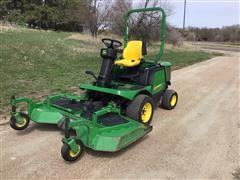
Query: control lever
point(91, 73)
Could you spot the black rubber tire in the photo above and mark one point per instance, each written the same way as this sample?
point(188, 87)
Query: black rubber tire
point(65, 152)
point(166, 99)
point(134, 109)
point(13, 122)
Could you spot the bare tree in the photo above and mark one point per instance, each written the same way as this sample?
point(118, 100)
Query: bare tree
point(157, 3)
point(146, 25)
point(174, 36)
point(118, 10)
point(224, 34)
point(98, 12)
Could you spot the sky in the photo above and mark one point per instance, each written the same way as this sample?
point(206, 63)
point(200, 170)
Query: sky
point(205, 13)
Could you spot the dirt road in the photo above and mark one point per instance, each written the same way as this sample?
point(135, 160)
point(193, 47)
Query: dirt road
point(198, 139)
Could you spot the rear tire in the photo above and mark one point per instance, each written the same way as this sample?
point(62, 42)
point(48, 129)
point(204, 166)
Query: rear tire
point(17, 126)
point(141, 109)
point(67, 153)
point(169, 99)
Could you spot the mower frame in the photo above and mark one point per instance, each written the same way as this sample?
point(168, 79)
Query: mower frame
point(94, 131)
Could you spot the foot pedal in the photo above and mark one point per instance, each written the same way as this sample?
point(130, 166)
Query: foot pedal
point(111, 119)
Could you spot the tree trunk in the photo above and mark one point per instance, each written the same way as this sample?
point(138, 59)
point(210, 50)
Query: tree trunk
point(94, 33)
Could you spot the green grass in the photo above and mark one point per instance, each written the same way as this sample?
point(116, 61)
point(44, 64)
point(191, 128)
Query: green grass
point(181, 58)
point(33, 62)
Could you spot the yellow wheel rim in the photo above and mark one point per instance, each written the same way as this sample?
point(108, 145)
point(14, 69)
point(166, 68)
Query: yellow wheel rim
point(173, 100)
point(72, 154)
point(146, 112)
point(24, 121)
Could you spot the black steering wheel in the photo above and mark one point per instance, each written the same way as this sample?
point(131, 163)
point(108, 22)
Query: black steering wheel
point(111, 43)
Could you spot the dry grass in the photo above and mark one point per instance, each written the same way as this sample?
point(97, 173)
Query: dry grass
point(89, 38)
point(91, 45)
point(222, 44)
point(187, 46)
point(85, 37)
point(85, 50)
point(6, 27)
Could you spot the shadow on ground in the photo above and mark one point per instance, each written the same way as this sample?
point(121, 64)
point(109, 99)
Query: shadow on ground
point(53, 128)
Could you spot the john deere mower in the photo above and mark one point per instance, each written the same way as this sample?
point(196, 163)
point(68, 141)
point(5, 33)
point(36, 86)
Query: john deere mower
point(117, 108)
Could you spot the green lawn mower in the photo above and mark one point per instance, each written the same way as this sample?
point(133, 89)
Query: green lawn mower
point(117, 108)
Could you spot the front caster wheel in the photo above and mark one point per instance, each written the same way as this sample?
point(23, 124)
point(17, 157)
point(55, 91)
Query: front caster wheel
point(68, 154)
point(19, 122)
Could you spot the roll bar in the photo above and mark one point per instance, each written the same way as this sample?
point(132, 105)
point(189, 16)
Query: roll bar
point(163, 27)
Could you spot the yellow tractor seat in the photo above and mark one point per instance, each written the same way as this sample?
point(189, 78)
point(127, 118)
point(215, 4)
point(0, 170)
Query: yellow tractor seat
point(132, 55)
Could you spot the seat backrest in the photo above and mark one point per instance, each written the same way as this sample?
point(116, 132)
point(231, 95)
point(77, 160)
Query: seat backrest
point(133, 51)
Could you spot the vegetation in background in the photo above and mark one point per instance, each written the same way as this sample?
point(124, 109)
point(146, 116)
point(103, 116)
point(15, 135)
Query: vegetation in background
point(33, 62)
point(225, 34)
point(45, 14)
point(106, 16)
point(96, 16)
